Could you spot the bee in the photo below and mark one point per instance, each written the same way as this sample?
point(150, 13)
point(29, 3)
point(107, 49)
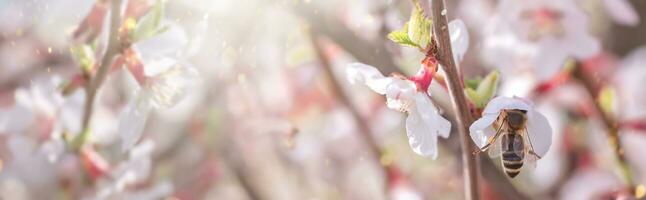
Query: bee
point(511, 142)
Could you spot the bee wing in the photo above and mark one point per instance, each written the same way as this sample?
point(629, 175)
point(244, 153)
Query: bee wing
point(495, 149)
point(530, 156)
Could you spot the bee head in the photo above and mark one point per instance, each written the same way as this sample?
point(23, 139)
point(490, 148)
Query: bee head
point(516, 118)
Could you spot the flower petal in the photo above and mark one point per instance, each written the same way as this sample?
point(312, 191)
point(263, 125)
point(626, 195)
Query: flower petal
point(430, 116)
point(422, 141)
point(132, 122)
point(166, 43)
point(459, 39)
point(622, 12)
point(400, 95)
point(482, 130)
point(499, 103)
point(170, 86)
point(16, 119)
point(369, 75)
point(540, 132)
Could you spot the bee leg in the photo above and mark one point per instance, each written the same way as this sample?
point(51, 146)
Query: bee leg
point(485, 147)
point(534, 153)
point(490, 142)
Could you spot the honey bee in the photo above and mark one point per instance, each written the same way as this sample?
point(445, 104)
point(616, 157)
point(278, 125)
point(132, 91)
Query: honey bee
point(512, 142)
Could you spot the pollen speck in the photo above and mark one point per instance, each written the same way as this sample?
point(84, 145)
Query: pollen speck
point(242, 78)
point(49, 50)
point(640, 191)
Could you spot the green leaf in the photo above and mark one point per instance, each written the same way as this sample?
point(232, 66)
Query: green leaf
point(487, 88)
point(150, 24)
point(472, 83)
point(419, 27)
point(472, 95)
point(401, 37)
point(481, 91)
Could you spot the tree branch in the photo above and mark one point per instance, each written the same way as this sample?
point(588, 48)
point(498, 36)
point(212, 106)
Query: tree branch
point(91, 89)
point(364, 129)
point(608, 120)
point(459, 102)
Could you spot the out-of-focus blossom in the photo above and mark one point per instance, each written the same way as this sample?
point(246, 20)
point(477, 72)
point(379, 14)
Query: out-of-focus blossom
point(459, 39)
point(590, 184)
point(132, 171)
point(543, 32)
point(423, 124)
point(165, 79)
point(621, 12)
point(483, 130)
point(630, 80)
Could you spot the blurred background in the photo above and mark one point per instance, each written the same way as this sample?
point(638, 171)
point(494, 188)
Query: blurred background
point(268, 112)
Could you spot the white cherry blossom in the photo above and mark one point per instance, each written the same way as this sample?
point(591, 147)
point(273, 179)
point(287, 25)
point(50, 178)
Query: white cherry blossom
point(621, 12)
point(538, 128)
point(538, 36)
point(167, 78)
point(423, 124)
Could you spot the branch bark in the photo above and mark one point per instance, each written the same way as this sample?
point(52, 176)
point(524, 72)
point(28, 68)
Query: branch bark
point(455, 86)
point(91, 89)
point(612, 126)
point(337, 91)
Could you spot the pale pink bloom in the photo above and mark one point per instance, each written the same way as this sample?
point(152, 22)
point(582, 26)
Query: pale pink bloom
point(538, 128)
point(590, 184)
point(459, 39)
point(423, 124)
point(167, 80)
point(135, 170)
point(543, 33)
point(622, 12)
point(629, 81)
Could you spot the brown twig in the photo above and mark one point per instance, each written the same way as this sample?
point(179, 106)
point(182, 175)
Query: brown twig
point(91, 89)
point(459, 101)
point(344, 99)
point(337, 90)
point(592, 88)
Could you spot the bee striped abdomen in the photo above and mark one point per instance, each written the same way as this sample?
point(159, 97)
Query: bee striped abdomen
point(512, 154)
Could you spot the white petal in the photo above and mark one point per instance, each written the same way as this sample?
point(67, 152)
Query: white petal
point(171, 86)
point(540, 132)
point(585, 46)
point(72, 110)
point(132, 122)
point(16, 119)
point(622, 12)
point(53, 149)
point(431, 117)
point(421, 140)
point(154, 67)
point(459, 39)
point(165, 44)
point(197, 38)
point(482, 130)
point(400, 95)
point(549, 60)
point(499, 103)
point(369, 75)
